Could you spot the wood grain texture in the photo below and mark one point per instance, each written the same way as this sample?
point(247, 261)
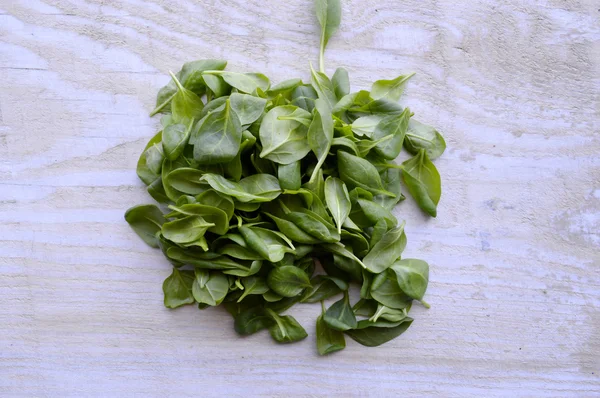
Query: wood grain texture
point(515, 250)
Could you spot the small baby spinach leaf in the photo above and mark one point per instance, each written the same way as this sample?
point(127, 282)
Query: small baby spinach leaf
point(390, 89)
point(386, 251)
point(393, 126)
point(314, 225)
point(340, 315)
point(290, 175)
point(284, 87)
point(299, 115)
point(186, 229)
point(177, 288)
point(185, 105)
point(386, 291)
point(341, 83)
point(264, 242)
point(358, 172)
point(328, 340)
point(248, 108)
point(235, 189)
point(244, 82)
point(292, 231)
point(175, 138)
point(145, 173)
point(252, 320)
point(412, 276)
point(304, 97)
point(288, 281)
point(329, 14)
point(186, 180)
point(217, 137)
point(285, 329)
point(372, 336)
point(388, 314)
point(365, 126)
point(423, 182)
point(322, 288)
point(212, 198)
point(209, 287)
point(320, 135)
point(210, 214)
point(154, 158)
point(253, 285)
point(421, 136)
point(338, 200)
point(283, 141)
point(217, 86)
point(323, 87)
point(146, 221)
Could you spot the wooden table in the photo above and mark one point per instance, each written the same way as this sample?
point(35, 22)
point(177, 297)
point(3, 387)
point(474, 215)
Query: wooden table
point(514, 252)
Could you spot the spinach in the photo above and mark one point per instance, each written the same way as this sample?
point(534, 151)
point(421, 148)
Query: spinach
point(264, 184)
point(209, 287)
point(185, 105)
point(217, 137)
point(285, 329)
point(329, 14)
point(359, 172)
point(340, 315)
point(338, 200)
point(387, 250)
point(175, 138)
point(390, 89)
point(328, 340)
point(341, 83)
point(412, 276)
point(288, 281)
point(423, 182)
point(373, 336)
point(320, 135)
point(289, 175)
point(252, 320)
point(283, 140)
point(178, 288)
point(421, 136)
point(146, 221)
point(323, 287)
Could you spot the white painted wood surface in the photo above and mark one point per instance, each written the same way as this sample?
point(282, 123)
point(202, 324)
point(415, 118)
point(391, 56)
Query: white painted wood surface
point(515, 251)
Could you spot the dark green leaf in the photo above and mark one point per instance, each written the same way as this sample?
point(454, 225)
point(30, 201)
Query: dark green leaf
point(423, 182)
point(146, 221)
point(217, 137)
point(252, 320)
point(358, 172)
point(328, 340)
point(177, 288)
point(386, 251)
point(375, 336)
point(288, 281)
point(340, 315)
point(421, 136)
point(286, 329)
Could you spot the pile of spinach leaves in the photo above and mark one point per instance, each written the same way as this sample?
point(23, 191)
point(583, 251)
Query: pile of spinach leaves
point(272, 195)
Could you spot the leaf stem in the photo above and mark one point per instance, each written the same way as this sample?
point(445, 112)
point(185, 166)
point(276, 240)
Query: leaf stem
point(177, 82)
point(425, 304)
point(161, 106)
point(322, 52)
